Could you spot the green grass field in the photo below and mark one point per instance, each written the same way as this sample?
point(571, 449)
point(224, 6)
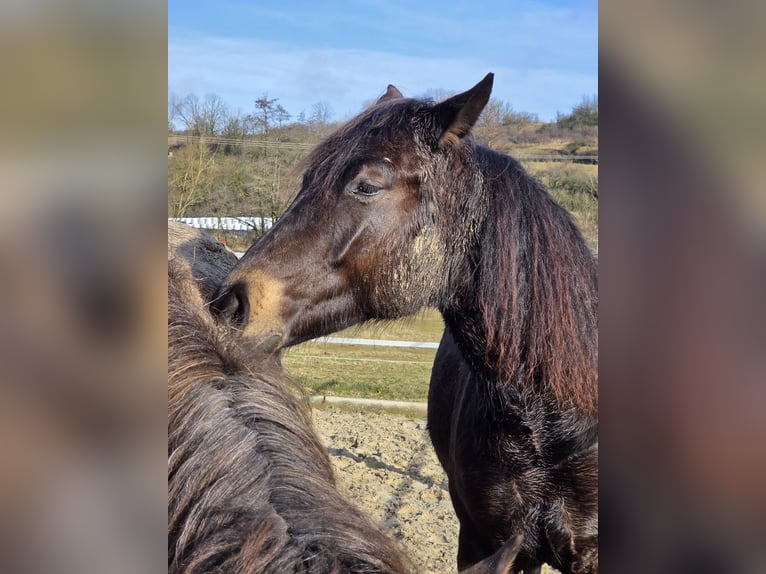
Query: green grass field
point(395, 373)
point(425, 326)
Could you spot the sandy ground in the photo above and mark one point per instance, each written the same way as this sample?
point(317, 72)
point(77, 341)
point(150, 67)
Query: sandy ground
point(385, 464)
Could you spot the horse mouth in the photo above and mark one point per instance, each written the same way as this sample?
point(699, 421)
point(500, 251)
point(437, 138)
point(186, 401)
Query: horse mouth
point(270, 343)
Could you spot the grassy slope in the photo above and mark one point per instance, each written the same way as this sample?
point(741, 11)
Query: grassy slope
point(360, 371)
point(367, 371)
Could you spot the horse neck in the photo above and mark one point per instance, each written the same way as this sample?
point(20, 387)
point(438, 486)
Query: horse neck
point(523, 311)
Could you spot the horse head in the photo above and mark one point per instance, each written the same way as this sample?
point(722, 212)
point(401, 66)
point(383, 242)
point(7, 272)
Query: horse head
point(372, 232)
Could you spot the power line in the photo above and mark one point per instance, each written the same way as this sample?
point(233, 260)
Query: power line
point(176, 141)
point(188, 139)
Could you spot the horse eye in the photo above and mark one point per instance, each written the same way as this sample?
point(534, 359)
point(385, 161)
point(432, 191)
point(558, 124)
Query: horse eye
point(367, 189)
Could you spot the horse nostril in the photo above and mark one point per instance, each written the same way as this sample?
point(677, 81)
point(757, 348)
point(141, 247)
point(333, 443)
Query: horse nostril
point(232, 305)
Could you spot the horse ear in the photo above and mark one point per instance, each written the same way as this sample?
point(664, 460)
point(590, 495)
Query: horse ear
point(391, 94)
point(458, 114)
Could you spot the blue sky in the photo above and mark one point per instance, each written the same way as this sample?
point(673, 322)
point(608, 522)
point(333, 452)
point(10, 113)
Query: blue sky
point(544, 54)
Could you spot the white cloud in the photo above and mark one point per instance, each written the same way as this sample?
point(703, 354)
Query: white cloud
point(240, 70)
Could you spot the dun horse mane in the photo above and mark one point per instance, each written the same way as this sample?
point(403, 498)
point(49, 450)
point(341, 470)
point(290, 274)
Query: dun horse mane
point(250, 486)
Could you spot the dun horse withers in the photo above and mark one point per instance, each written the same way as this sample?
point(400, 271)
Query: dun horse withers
point(401, 209)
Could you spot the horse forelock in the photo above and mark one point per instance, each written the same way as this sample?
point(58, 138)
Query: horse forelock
point(386, 130)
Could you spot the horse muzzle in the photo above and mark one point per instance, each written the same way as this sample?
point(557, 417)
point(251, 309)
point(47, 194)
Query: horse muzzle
point(253, 305)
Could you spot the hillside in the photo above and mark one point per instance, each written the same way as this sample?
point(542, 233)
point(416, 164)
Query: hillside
point(223, 164)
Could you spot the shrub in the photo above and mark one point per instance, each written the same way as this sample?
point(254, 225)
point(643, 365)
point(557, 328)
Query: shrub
point(569, 178)
point(583, 114)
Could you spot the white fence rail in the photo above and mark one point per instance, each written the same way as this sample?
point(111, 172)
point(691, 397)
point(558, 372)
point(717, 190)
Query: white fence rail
point(376, 342)
point(227, 223)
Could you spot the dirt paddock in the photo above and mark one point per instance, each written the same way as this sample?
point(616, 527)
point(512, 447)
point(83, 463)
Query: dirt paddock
point(385, 464)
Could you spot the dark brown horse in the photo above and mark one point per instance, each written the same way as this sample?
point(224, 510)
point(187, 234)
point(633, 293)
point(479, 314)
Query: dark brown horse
point(250, 486)
point(401, 209)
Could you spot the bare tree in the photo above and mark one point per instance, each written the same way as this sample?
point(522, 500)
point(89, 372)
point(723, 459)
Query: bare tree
point(321, 113)
point(203, 117)
point(583, 114)
point(234, 128)
point(174, 104)
point(188, 178)
point(190, 113)
point(490, 126)
point(264, 113)
point(438, 94)
point(281, 116)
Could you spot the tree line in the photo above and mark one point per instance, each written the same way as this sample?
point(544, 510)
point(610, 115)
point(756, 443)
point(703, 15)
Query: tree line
point(211, 116)
point(228, 178)
point(500, 123)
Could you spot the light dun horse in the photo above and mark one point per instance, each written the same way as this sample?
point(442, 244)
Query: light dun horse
point(250, 486)
point(401, 209)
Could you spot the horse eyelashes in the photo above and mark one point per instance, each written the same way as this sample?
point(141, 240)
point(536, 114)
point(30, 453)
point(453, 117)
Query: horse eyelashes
point(367, 189)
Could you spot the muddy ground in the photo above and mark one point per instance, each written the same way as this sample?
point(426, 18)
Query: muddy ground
point(385, 464)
